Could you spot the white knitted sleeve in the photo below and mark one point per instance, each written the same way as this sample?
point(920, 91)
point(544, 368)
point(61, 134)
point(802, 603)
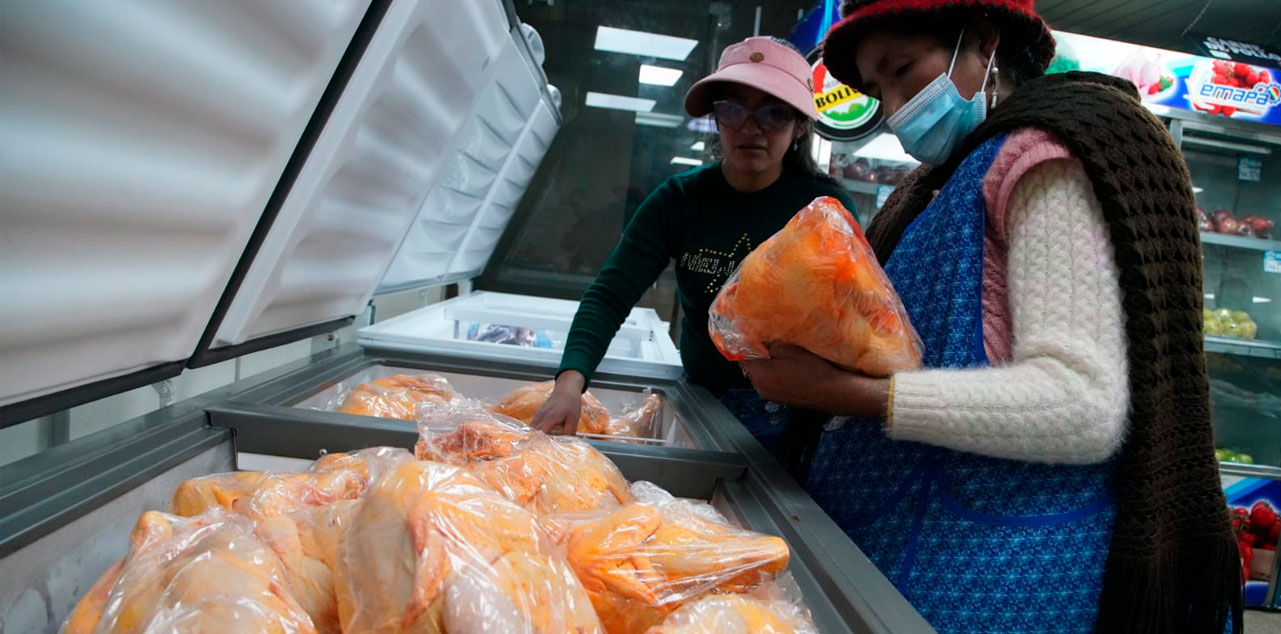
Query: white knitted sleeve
point(1064, 396)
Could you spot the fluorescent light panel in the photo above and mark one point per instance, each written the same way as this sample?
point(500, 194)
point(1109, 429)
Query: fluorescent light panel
point(658, 119)
point(644, 44)
point(681, 160)
point(659, 76)
point(1261, 300)
point(619, 102)
point(698, 146)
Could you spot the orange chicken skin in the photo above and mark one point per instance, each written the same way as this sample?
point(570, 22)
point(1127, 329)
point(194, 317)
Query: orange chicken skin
point(203, 574)
point(523, 403)
point(432, 549)
point(542, 473)
point(307, 544)
point(736, 614)
point(640, 562)
point(397, 396)
point(816, 284)
point(84, 618)
point(336, 476)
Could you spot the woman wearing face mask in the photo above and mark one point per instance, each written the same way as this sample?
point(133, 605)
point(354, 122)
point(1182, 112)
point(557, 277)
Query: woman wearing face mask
point(1051, 468)
point(707, 220)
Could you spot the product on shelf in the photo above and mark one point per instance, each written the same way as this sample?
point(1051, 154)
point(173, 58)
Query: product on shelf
point(1228, 455)
point(1228, 323)
point(1257, 530)
point(1225, 222)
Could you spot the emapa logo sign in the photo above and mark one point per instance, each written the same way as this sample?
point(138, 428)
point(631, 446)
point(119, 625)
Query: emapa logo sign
point(844, 114)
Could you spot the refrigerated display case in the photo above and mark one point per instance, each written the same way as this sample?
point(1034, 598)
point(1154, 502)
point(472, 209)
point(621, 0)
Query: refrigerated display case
point(384, 146)
point(1236, 175)
point(642, 346)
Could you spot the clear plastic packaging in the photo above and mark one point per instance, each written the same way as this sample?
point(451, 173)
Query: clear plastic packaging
point(774, 608)
point(816, 284)
point(336, 476)
point(643, 561)
point(542, 473)
point(396, 396)
point(523, 403)
point(208, 573)
point(509, 335)
point(432, 549)
point(637, 421)
point(307, 544)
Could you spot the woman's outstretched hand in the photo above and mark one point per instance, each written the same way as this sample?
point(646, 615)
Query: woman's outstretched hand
point(559, 414)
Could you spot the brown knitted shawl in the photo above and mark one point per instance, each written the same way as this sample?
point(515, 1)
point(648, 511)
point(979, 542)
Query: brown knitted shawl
point(1173, 564)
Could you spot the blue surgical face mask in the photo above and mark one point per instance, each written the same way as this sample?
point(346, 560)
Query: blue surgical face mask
point(934, 122)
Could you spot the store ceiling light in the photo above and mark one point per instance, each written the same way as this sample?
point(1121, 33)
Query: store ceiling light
point(698, 146)
point(885, 147)
point(1261, 300)
point(681, 160)
point(659, 119)
point(1197, 190)
point(659, 76)
point(702, 125)
point(619, 102)
point(1209, 295)
point(642, 43)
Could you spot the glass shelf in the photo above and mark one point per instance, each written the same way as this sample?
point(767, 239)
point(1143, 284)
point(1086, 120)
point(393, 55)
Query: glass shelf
point(1243, 347)
point(1240, 242)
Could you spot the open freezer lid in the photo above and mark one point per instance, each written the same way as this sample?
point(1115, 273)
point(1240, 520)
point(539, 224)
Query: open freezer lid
point(441, 104)
point(641, 348)
point(142, 142)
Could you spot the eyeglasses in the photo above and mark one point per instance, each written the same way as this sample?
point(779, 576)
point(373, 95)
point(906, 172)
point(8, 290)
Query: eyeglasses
point(769, 118)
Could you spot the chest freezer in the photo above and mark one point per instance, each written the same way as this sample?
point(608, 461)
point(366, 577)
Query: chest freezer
point(642, 347)
point(686, 418)
point(47, 566)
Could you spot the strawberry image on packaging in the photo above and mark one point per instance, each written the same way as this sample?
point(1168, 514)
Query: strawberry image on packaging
point(1232, 88)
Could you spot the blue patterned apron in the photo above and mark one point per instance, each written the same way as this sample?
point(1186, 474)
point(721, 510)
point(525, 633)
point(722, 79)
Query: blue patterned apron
point(976, 544)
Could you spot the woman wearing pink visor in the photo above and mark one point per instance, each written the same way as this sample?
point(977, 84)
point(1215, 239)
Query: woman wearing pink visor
point(707, 220)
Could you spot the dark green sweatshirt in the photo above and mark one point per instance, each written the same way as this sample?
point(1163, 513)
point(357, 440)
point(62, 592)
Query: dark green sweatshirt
point(697, 219)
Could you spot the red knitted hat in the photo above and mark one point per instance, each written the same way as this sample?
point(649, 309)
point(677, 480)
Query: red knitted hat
point(1023, 32)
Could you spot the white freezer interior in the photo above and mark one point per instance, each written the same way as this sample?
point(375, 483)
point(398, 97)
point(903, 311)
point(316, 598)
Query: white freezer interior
point(131, 185)
point(671, 431)
point(642, 346)
point(424, 74)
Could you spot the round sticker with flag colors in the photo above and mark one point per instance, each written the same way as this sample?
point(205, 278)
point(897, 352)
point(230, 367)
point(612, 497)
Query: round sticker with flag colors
point(844, 114)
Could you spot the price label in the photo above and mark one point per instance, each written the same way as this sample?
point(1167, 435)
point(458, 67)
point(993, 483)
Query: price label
point(882, 194)
point(1272, 261)
point(1249, 169)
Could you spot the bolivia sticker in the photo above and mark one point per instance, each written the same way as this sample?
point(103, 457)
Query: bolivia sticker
point(844, 114)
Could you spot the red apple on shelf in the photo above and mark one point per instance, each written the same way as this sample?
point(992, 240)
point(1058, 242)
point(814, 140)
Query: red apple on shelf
point(1229, 225)
point(1220, 214)
point(1246, 230)
point(1206, 226)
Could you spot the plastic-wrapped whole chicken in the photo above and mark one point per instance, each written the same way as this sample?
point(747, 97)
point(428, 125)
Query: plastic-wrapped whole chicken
point(208, 573)
point(257, 494)
point(816, 284)
point(643, 561)
point(307, 544)
point(542, 473)
point(396, 396)
point(432, 549)
point(769, 609)
point(637, 421)
point(523, 403)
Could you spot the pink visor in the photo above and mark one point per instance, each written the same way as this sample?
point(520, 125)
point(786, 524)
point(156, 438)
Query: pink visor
point(764, 64)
